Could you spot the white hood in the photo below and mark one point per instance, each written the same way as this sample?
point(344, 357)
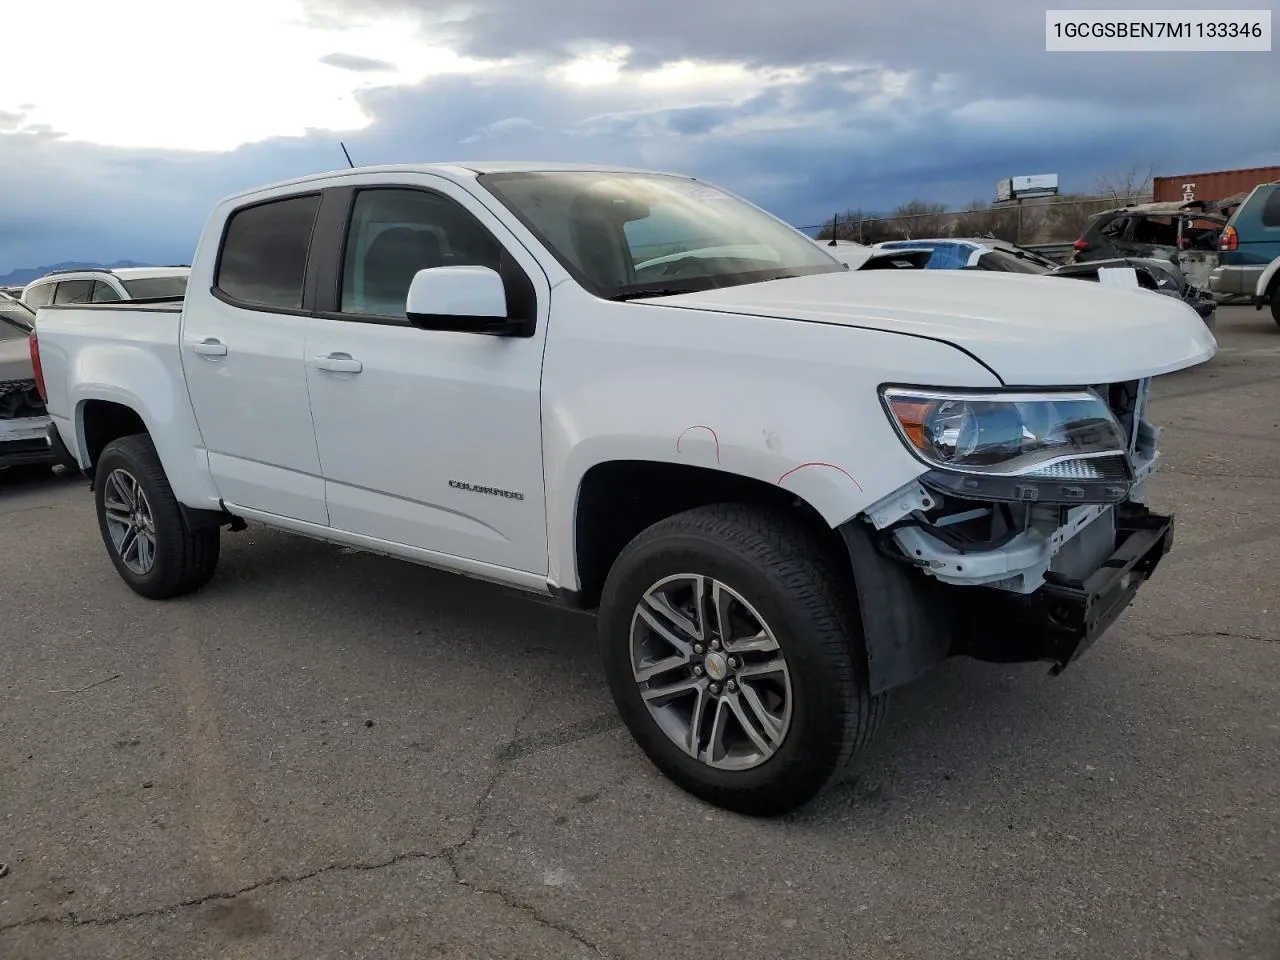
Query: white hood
point(1031, 330)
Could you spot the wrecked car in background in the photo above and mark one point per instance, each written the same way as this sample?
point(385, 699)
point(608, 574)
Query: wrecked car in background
point(23, 419)
point(859, 256)
point(1184, 233)
point(990, 253)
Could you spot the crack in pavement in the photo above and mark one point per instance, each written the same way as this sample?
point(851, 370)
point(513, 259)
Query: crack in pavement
point(71, 919)
point(1211, 475)
point(449, 854)
point(504, 760)
point(1201, 634)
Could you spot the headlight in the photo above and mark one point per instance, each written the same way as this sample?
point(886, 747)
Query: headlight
point(1030, 446)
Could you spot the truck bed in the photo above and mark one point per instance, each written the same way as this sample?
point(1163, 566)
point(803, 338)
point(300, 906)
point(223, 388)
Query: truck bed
point(108, 345)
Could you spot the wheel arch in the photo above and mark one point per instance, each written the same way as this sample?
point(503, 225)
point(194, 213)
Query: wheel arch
point(617, 499)
point(1269, 281)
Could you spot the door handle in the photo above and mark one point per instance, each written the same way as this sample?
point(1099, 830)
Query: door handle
point(339, 363)
point(210, 347)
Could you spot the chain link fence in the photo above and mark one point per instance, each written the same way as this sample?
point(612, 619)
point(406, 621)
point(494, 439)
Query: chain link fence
point(1048, 221)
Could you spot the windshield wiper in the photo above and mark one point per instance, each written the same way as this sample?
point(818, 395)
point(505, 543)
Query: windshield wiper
point(655, 292)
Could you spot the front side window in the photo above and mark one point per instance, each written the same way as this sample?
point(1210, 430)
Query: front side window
point(73, 291)
point(393, 234)
point(631, 234)
point(171, 288)
point(263, 262)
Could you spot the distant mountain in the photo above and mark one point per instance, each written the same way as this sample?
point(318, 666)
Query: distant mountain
point(26, 274)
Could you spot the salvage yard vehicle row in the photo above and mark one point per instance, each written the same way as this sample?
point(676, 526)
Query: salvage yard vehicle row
point(786, 487)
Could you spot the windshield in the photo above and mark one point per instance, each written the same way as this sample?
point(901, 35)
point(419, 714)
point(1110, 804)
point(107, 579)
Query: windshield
point(145, 288)
point(625, 235)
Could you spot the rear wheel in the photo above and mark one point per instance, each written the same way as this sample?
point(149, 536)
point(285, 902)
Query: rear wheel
point(734, 660)
point(156, 550)
point(1275, 305)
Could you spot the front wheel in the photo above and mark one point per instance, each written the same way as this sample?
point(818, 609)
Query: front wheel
point(734, 659)
point(1275, 306)
point(156, 551)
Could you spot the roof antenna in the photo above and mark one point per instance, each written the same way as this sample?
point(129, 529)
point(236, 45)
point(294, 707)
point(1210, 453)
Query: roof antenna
point(347, 155)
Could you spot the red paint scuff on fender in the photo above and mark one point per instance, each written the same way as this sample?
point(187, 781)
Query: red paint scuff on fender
point(816, 463)
point(700, 426)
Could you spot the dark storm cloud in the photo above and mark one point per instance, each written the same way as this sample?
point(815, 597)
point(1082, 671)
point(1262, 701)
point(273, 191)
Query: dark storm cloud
point(884, 103)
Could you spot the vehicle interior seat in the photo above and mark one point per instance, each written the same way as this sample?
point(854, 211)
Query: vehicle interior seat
point(390, 264)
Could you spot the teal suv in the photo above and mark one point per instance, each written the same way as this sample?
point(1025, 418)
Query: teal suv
point(1249, 250)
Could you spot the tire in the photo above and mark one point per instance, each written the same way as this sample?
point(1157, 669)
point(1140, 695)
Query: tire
point(182, 557)
point(1275, 305)
point(773, 570)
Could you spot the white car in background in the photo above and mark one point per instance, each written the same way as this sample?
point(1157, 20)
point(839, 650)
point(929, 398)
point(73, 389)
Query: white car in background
point(107, 285)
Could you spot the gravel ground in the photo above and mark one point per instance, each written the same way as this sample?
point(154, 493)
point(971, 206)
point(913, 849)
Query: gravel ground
point(328, 754)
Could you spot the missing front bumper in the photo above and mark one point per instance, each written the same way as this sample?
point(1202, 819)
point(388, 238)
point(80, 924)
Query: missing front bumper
point(1064, 617)
point(912, 622)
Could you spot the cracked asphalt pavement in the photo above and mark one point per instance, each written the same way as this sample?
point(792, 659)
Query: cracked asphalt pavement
point(330, 754)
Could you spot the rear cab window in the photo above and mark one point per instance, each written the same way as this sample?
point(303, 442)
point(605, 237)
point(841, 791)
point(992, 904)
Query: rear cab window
point(73, 291)
point(263, 259)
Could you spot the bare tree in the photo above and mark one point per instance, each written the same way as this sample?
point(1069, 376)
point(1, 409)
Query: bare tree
point(920, 219)
point(1070, 214)
point(1125, 186)
point(981, 219)
point(860, 226)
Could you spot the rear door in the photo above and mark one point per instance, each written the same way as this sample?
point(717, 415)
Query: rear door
point(428, 439)
point(243, 338)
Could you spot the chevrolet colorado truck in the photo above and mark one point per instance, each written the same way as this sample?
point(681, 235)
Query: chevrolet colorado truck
point(785, 487)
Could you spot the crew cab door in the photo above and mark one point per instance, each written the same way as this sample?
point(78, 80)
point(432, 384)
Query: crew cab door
point(243, 337)
point(428, 439)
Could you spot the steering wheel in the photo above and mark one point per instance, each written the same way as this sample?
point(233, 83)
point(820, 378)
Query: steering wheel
point(678, 267)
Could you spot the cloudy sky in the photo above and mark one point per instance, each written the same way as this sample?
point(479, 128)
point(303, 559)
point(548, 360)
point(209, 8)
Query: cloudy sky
point(121, 128)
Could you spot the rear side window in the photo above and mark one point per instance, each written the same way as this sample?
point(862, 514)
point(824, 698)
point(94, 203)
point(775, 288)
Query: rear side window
point(103, 292)
point(1271, 210)
point(73, 291)
point(40, 296)
point(263, 261)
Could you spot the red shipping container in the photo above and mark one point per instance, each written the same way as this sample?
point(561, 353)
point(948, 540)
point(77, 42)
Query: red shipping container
point(1211, 186)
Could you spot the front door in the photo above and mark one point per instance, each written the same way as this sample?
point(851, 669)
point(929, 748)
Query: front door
point(242, 353)
point(427, 439)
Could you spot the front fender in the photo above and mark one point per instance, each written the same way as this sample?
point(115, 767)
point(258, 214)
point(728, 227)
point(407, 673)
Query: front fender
point(787, 403)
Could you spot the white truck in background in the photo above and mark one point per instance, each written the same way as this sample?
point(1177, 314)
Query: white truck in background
point(786, 487)
point(106, 285)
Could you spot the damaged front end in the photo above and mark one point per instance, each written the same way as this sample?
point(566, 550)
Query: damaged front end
point(23, 424)
point(1032, 504)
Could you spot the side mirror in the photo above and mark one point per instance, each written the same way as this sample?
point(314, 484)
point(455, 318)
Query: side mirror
point(465, 299)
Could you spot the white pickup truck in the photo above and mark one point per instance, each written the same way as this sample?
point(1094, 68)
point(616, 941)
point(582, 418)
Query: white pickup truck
point(785, 486)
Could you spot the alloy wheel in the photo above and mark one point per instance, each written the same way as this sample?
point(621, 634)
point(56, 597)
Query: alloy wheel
point(130, 523)
point(711, 672)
